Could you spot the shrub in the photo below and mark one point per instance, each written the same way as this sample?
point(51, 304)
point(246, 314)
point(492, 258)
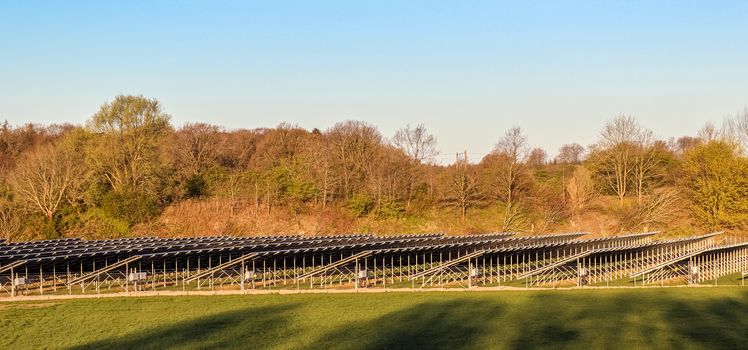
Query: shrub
point(131, 207)
point(390, 209)
point(195, 186)
point(360, 205)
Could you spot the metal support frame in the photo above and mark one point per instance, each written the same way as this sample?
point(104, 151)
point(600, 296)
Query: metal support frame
point(103, 270)
point(223, 266)
point(325, 268)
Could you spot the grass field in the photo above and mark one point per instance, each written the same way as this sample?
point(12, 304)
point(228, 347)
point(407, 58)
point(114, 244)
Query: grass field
point(677, 318)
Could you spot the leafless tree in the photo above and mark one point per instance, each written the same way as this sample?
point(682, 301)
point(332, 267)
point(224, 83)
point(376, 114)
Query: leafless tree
point(647, 163)
point(420, 146)
point(684, 143)
point(654, 210)
point(463, 191)
point(537, 158)
point(10, 220)
point(571, 153)
point(318, 156)
point(354, 144)
point(709, 132)
point(615, 153)
point(511, 153)
point(737, 128)
point(416, 142)
point(196, 147)
point(45, 177)
point(548, 217)
point(580, 189)
point(513, 145)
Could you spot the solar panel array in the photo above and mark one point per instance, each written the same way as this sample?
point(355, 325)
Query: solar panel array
point(322, 260)
point(86, 255)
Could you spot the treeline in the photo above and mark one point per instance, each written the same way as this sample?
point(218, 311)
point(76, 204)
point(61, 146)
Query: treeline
point(128, 164)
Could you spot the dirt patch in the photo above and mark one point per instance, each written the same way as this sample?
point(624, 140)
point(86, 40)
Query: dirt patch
point(28, 305)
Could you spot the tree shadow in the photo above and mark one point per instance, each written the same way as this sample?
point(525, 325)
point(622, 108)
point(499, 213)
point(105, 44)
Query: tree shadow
point(716, 324)
point(542, 321)
point(237, 329)
point(600, 319)
point(452, 324)
point(554, 319)
point(526, 321)
point(632, 319)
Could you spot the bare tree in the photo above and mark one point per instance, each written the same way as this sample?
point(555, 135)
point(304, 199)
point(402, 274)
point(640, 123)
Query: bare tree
point(45, 177)
point(354, 144)
point(622, 129)
point(513, 145)
point(389, 179)
point(684, 144)
point(615, 153)
point(646, 163)
point(654, 210)
point(571, 153)
point(10, 220)
point(234, 186)
point(463, 191)
point(416, 142)
point(513, 149)
point(580, 189)
point(420, 146)
point(509, 170)
point(318, 154)
point(196, 147)
point(709, 132)
point(737, 128)
point(537, 158)
point(549, 216)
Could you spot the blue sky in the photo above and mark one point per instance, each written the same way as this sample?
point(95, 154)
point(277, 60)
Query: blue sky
point(467, 69)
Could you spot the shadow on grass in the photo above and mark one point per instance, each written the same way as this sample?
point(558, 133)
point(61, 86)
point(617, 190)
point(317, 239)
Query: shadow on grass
point(598, 319)
point(246, 328)
point(542, 320)
point(555, 320)
point(632, 320)
point(716, 324)
point(635, 320)
point(451, 324)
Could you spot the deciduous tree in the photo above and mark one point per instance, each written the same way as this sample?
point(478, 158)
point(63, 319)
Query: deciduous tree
point(505, 169)
point(354, 146)
point(614, 155)
point(716, 182)
point(462, 191)
point(196, 147)
point(128, 133)
point(580, 190)
point(46, 177)
point(418, 144)
point(572, 153)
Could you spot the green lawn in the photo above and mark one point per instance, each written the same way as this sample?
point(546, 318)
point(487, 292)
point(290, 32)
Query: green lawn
point(675, 318)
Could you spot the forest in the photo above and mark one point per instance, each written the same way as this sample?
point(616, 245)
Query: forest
point(130, 172)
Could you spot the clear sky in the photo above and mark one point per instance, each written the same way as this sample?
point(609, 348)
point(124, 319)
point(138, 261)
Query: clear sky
point(467, 69)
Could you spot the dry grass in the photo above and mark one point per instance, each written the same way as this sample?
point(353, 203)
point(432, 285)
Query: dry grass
point(215, 217)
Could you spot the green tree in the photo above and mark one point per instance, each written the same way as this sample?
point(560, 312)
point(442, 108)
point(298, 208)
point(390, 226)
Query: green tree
point(716, 179)
point(127, 132)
